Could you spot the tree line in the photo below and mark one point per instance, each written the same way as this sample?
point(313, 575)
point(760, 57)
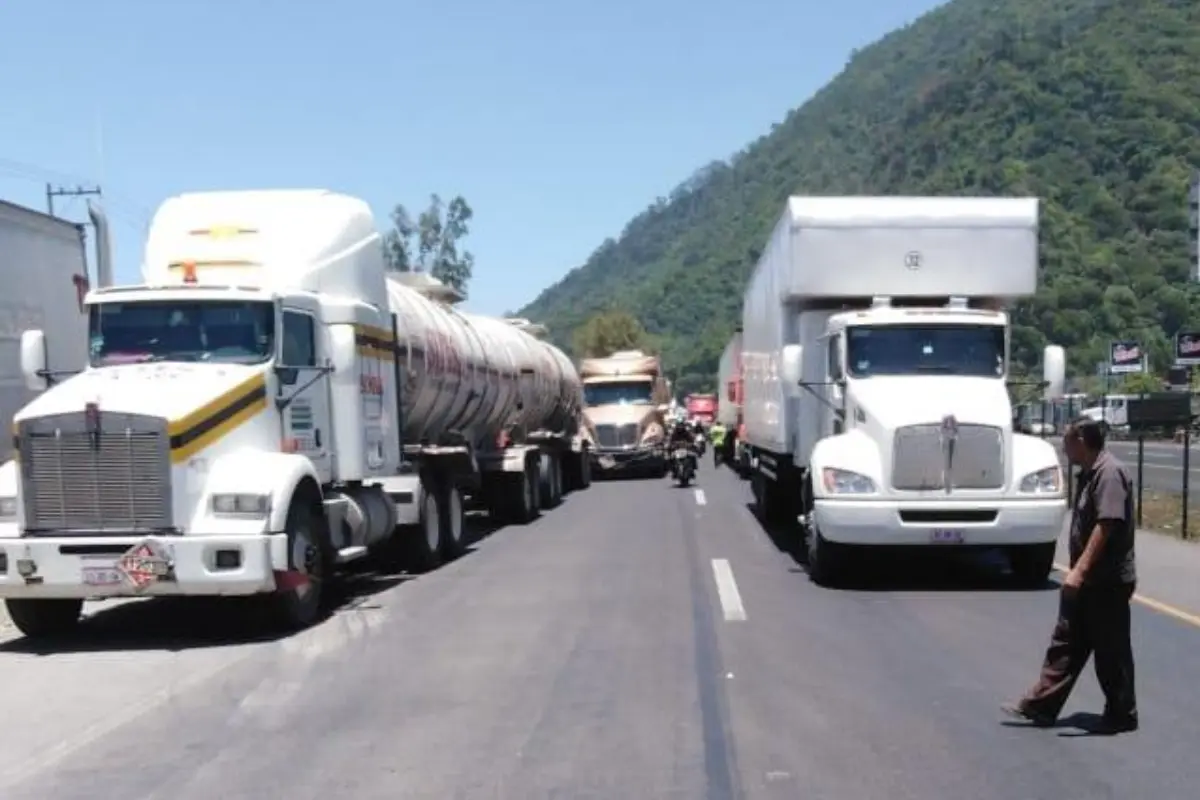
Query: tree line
point(432, 242)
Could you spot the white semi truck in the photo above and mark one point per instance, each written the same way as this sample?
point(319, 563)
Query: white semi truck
point(269, 405)
point(875, 350)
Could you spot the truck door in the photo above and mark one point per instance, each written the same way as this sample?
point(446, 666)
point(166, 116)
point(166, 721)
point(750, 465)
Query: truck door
point(834, 394)
point(307, 427)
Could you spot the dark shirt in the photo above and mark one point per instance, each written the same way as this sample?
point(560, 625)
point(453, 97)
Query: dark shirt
point(1104, 495)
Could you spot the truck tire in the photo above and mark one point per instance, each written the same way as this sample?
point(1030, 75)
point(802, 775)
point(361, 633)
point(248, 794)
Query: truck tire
point(300, 602)
point(44, 619)
point(550, 480)
point(826, 560)
point(585, 470)
point(1032, 563)
point(453, 521)
point(524, 495)
point(425, 546)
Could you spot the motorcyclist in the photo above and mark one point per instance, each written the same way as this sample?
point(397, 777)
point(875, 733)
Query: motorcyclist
point(680, 436)
point(716, 435)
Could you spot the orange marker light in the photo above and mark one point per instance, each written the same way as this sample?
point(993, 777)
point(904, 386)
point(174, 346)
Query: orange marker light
point(189, 272)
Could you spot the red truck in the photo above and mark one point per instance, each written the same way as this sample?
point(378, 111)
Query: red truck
point(702, 407)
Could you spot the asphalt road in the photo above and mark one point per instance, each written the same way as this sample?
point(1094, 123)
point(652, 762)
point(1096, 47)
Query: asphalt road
point(1162, 467)
point(642, 641)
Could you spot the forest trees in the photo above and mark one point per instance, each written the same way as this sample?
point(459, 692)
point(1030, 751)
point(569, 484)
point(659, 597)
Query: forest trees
point(432, 243)
point(607, 332)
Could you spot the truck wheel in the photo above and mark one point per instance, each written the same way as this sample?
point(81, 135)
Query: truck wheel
point(549, 482)
point(454, 541)
point(425, 545)
point(826, 560)
point(298, 601)
point(1032, 563)
point(523, 495)
point(585, 470)
point(43, 619)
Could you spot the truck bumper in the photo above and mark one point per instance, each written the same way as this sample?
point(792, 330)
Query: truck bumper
point(619, 460)
point(56, 566)
point(907, 523)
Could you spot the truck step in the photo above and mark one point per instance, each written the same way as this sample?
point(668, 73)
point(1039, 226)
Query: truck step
point(351, 553)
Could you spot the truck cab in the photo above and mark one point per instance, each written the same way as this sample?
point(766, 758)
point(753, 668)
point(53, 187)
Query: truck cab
point(915, 437)
point(223, 436)
point(625, 397)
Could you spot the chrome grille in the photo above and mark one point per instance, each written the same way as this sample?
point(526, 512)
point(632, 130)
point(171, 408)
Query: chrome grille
point(118, 480)
point(617, 435)
point(919, 459)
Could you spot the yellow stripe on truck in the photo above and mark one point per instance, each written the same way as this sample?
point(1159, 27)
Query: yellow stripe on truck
point(373, 342)
point(215, 420)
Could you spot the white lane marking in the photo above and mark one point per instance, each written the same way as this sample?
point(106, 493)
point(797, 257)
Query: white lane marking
point(727, 591)
point(700, 498)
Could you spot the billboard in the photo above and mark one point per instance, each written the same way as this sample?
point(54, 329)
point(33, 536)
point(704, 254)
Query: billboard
point(1125, 358)
point(1187, 348)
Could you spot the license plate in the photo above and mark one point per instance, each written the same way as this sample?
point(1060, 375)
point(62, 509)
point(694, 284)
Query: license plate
point(682, 453)
point(101, 575)
point(946, 536)
point(607, 461)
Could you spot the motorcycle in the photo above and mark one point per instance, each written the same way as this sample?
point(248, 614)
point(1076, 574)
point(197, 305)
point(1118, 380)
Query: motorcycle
point(683, 465)
point(701, 443)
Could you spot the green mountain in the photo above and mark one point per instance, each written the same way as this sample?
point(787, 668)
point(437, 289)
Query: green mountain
point(1093, 105)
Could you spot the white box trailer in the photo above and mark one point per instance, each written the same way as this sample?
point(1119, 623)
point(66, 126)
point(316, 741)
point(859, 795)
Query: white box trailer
point(875, 352)
point(43, 269)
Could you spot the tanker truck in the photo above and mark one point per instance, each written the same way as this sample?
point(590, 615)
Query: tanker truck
point(625, 397)
point(269, 406)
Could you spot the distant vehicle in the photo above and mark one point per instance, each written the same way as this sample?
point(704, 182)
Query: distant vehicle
point(729, 408)
point(625, 400)
point(702, 407)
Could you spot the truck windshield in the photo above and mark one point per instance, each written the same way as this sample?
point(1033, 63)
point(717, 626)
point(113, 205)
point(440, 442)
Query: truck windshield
point(968, 350)
point(623, 393)
point(210, 331)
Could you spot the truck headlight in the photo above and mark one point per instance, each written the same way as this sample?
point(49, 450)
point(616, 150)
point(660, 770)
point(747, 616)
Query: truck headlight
point(8, 508)
point(241, 505)
point(1044, 481)
point(843, 481)
point(653, 433)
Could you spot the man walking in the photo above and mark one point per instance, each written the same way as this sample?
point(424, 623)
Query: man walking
point(1093, 616)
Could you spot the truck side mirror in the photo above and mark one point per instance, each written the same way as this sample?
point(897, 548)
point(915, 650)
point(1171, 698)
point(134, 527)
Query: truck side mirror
point(1054, 371)
point(33, 360)
point(791, 364)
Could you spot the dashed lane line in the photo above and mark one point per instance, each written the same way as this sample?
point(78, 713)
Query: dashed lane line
point(727, 591)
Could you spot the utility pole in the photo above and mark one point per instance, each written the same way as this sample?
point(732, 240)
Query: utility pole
point(68, 191)
point(1194, 225)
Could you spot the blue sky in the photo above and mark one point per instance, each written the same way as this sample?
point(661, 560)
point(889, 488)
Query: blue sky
point(557, 121)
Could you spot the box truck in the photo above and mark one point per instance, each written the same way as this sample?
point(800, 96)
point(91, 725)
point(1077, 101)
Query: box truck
point(876, 353)
point(43, 269)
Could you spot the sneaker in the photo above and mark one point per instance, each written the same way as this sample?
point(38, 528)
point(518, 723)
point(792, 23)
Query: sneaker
point(1018, 712)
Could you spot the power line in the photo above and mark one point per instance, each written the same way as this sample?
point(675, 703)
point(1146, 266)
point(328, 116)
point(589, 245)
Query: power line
point(53, 191)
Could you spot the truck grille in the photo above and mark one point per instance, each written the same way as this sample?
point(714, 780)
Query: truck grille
point(918, 458)
point(118, 480)
point(617, 435)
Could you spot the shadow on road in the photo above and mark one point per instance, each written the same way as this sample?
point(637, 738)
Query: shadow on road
point(176, 624)
point(887, 569)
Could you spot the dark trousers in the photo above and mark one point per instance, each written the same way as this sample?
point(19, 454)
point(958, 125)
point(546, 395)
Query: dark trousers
point(1092, 621)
